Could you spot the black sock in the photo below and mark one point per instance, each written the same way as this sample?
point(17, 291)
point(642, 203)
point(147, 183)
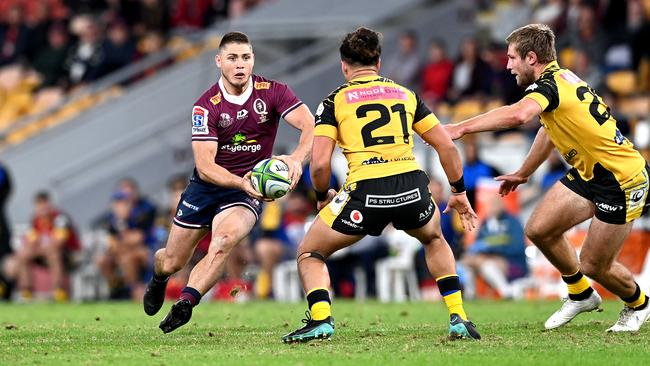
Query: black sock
point(318, 296)
point(190, 294)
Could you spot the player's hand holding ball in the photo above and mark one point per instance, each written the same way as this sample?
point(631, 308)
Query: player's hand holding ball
point(295, 168)
point(270, 179)
point(248, 187)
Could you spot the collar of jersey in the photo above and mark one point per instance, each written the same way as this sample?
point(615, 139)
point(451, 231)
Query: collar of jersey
point(551, 65)
point(365, 78)
point(237, 99)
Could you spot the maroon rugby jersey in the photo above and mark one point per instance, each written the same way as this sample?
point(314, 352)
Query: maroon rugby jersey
point(244, 125)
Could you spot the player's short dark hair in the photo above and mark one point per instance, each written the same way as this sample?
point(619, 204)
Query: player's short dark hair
point(538, 38)
point(233, 37)
point(361, 47)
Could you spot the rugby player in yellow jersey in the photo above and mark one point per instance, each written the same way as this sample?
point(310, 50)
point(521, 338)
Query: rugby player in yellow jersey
point(373, 119)
point(608, 182)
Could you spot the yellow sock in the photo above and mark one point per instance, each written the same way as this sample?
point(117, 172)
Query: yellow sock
point(578, 286)
point(60, 295)
point(319, 303)
point(263, 285)
point(454, 304)
point(321, 310)
point(636, 300)
point(449, 287)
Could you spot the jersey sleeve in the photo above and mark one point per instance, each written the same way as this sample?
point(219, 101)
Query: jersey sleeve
point(545, 93)
point(423, 119)
point(204, 127)
point(286, 101)
point(326, 124)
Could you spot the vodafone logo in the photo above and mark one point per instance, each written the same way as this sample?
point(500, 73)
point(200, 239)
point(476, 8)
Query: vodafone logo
point(356, 216)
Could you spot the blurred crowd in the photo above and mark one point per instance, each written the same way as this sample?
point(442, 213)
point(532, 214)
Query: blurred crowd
point(50, 48)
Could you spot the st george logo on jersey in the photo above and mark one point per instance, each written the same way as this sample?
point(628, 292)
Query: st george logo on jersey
point(199, 121)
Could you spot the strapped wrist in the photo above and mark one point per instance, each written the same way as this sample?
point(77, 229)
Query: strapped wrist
point(320, 196)
point(458, 186)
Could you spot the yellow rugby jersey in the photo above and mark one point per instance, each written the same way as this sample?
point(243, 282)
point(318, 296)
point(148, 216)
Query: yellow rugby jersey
point(373, 119)
point(581, 126)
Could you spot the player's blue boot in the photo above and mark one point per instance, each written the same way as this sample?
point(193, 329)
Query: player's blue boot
point(313, 329)
point(462, 329)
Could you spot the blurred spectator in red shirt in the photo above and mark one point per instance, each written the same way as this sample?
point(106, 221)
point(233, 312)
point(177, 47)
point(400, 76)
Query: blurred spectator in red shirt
point(437, 73)
point(193, 14)
point(51, 241)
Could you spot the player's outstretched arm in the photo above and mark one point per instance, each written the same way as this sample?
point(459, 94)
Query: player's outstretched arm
point(539, 152)
point(302, 119)
point(501, 118)
point(204, 155)
point(438, 138)
point(321, 169)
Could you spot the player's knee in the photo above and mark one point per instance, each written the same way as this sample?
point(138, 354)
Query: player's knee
point(435, 238)
point(172, 264)
point(224, 242)
point(534, 232)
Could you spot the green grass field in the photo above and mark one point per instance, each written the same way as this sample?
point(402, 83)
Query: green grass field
point(366, 334)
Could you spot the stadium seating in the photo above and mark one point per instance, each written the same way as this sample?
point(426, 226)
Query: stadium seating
point(396, 274)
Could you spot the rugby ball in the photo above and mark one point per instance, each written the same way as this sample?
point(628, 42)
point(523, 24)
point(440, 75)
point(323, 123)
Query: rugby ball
point(270, 177)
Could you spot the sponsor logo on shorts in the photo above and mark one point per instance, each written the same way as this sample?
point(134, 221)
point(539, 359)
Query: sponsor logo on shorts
point(199, 121)
point(608, 208)
point(637, 197)
point(351, 224)
point(189, 205)
point(426, 213)
point(394, 200)
point(179, 213)
point(374, 93)
point(356, 216)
